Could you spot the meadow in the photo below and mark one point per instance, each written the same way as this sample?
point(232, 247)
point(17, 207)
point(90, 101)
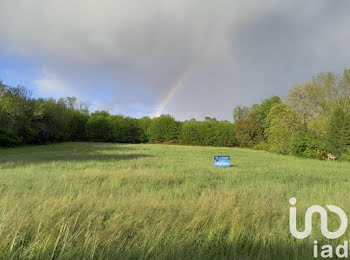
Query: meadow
point(149, 201)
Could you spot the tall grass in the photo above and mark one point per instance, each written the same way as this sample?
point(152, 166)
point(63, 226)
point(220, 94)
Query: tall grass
point(111, 201)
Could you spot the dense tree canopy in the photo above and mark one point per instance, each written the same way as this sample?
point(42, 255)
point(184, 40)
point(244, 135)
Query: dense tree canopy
point(164, 129)
point(338, 131)
point(208, 133)
point(313, 119)
point(282, 122)
point(249, 131)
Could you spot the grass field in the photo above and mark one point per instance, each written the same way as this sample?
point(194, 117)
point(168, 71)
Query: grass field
point(112, 201)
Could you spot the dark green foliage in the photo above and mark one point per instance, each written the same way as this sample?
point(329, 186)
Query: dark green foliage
point(210, 119)
point(249, 131)
point(208, 133)
point(103, 127)
point(57, 121)
point(192, 133)
point(99, 127)
point(313, 119)
point(24, 120)
point(262, 110)
point(306, 144)
point(164, 129)
point(250, 122)
point(52, 121)
point(16, 110)
point(144, 124)
point(126, 129)
point(77, 125)
point(338, 132)
point(223, 133)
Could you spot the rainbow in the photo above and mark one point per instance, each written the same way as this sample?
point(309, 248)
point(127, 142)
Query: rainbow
point(172, 91)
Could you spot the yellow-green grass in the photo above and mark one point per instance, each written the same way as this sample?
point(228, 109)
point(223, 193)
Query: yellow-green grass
point(113, 201)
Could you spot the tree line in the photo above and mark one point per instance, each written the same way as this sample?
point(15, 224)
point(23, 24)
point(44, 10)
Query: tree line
point(28, 120)
point(312, 119)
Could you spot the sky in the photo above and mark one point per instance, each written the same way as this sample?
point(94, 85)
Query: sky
point(188, 58)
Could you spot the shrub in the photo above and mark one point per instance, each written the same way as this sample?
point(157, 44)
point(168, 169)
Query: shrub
point(208, 133)
point(144, 124)
point(126, 129)
point(191, 133)
point(261, 146)
point(224, 134)
point(345, 157)
point(78, 125)
point(282, 122)
point(99, 127)
point(306, 144)
point(338, 132)
point(249, 132)
point(261, 111)
point(164, 129)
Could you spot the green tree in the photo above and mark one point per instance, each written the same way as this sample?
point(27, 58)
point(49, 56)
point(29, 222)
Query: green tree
point(164, 129)
point(51, 121)
point(306, 144)
point(99, 127)
point(16, 112)
point(225, 134)
point(335, 88)
point(249, 131)
point(307, 99)
point(78, 125)
point(126, 129)
point(191, 133)
point(282, 123)
point(208, 133)
point(144, 124)
point(210, 119)
point(240, 112)
point(338, 132)
point(261, 111)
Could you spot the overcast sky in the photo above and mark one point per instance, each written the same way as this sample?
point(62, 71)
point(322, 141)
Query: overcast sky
point(125, 56)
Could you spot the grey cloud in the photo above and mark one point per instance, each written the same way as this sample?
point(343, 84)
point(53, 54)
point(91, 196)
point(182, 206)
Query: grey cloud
point(134, 51)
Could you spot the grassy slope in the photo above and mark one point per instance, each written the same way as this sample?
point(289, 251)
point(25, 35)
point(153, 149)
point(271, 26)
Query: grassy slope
point(82, 200)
